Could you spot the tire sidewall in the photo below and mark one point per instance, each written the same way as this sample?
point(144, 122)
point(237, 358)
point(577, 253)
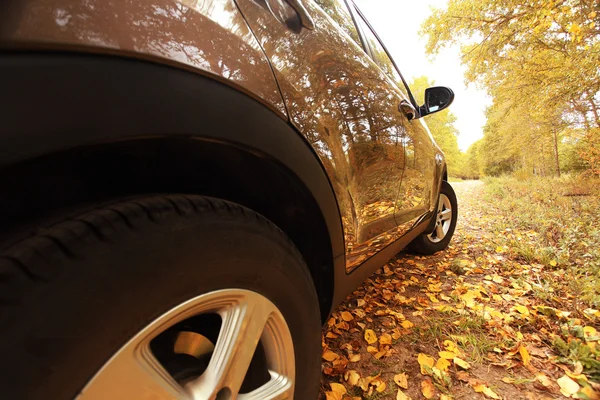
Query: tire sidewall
point(111, 289)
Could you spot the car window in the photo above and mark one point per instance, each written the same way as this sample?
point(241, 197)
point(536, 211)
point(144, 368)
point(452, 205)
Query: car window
point(380, 55)
point(339, 12)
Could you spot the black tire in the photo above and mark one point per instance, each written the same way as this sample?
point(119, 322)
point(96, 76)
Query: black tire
point(423, 244)
point(74, 293)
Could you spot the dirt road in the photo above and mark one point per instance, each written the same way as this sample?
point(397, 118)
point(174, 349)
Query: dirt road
point(456, 325)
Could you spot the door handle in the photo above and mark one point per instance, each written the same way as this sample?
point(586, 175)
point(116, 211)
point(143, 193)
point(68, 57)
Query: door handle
point(408, 109)
point(291, 13)
point(305, 17)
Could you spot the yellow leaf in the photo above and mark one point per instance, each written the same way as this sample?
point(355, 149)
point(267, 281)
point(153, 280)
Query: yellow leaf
point(333, 396)
point(370, 336)
point(386, 338)
point(451, 346)
point(589, 393)
point(425, 360)
point(543, 379)
point(427, 389)
point(567, 385)
point(522, 310)
point(330, 355)
point(524, 355)
point(447, 355)
point(499, 249)
point(338, 388)
point(401, 396)
point(553, 263)
point(442, 364)
point(406, 324)
point(481, 388)
point(401, 380)
point(352, 377)
point(590, 333)
point(379, 384)
point(498, 279)
point(354, 358)
point(461, 363)
point(372, 349)
point(346, 316)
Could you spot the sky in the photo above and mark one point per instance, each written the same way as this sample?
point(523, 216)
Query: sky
point(397, 23)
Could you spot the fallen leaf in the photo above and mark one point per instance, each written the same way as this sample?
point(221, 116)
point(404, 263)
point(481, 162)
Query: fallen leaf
point(338, 388)
point(447, 355)
point(401, 396)
point(522, 310)
point(524, 355)
point(352, 377)
point(442, 364)
point(354, 358)
point(379, 384)
point(425, 361)
point(346, 316)
point(482, 388)
point(568, 386)
point(427, 388)
point(461, 363)
point(401, 380)
point(370, 336)
point(333, 396)
point(406, 324)
point(329, 355)
point(386, 338)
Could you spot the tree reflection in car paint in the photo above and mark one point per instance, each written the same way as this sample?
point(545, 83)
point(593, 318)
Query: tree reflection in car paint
point(348, 111)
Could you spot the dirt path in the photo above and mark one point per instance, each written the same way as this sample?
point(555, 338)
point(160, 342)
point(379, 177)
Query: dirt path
point(461, 324)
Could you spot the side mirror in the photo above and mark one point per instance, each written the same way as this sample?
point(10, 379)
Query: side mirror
point(437, 98)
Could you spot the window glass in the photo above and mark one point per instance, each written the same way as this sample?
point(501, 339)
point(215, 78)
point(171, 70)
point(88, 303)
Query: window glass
point(380, 56)
point(339, 12)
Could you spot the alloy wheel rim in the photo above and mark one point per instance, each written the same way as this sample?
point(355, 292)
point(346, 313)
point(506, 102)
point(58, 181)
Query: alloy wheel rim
point(443, 219)
point(247, 318)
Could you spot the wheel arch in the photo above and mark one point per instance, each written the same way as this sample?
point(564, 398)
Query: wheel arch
point(80, 129)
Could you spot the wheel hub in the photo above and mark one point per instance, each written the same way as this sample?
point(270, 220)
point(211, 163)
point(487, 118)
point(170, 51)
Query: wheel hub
point(215, 346)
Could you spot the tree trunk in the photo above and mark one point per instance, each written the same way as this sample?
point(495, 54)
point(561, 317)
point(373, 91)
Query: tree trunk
point(555, 137)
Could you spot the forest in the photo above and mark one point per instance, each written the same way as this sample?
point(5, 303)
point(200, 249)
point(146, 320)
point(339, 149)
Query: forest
point(539, 62)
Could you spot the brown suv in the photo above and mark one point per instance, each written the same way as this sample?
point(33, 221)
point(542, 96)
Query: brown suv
point(189, 187)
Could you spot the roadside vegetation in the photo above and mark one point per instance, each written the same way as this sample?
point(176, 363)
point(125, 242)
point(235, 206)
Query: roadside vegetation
point(509, 311)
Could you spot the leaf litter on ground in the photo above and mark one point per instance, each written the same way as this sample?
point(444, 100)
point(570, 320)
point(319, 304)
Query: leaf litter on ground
point(464, 323)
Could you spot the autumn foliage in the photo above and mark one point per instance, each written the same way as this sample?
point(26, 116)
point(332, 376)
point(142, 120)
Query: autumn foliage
point(509, 311)
point(538, 60)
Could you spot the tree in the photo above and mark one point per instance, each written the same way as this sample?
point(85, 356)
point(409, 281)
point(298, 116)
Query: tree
point(539, 62)
point(441, 125)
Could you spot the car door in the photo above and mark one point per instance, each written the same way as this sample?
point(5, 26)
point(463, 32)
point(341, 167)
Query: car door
point(346, 107)
point(416, 188)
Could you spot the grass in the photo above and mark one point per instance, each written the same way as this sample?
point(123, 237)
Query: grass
point(554, 222)
point(468, 331)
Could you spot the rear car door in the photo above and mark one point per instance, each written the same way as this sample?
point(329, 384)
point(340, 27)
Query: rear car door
point(346, 107)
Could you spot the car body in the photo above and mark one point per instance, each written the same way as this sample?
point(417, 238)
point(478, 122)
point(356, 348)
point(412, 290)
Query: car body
point(292, 109)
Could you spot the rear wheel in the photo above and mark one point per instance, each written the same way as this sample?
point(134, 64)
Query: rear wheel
point(445, 223)
point(180, 297)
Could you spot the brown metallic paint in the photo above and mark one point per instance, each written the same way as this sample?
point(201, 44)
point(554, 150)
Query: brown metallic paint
point(209, 37)
point(348, 109)
point(384, 169)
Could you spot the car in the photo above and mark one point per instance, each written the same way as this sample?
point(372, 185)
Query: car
point(191, 187)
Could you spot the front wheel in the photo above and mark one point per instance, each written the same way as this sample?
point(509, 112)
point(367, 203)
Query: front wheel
point(170, 297)
point(445, 223)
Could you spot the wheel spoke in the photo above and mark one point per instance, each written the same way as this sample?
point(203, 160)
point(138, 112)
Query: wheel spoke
point(133, 373)
point(279, 387)
point(446, 215)
point(439, 231)
point(242, 327)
